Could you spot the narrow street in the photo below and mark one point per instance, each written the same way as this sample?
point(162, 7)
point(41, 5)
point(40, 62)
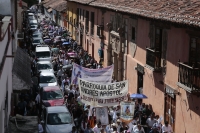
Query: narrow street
point(96, 66)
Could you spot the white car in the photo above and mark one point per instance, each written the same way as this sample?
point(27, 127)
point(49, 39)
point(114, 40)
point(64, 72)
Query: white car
point(47, 78)
point(57, 119)
point(45, 66)
point(33, 27)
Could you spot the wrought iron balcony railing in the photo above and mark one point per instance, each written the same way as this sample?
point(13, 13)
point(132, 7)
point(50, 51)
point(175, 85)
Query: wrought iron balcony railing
point(153, 59)
point(189, 77)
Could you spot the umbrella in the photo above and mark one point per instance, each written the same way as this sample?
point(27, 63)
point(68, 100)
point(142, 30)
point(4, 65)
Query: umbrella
point(65, 43)
point(138, 96)
point(67, 66)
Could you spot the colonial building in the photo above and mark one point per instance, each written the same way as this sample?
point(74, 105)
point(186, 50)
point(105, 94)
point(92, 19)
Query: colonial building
point(154, 45)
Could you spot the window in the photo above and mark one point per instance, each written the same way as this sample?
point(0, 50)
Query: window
point(194, 57)
point(70, 20)
point(87, 21)
point(83, 14)
point(133, 33)
point(80, 14)
point(74, 22)
point(153, 56)
point(100, 30)
point(77, 17)
point(59, 118)
point(92, 23)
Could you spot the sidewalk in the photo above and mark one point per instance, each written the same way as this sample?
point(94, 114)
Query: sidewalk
point(29, 126)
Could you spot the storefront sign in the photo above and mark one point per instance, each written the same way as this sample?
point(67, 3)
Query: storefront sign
point(102, 75)
point(169, 91)
point(127, 110)
point(100, 95)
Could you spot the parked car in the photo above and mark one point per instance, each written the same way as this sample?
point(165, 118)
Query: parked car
point(37, 41)
point(47, 79)
point(57, 119)
point(44, 66)
point(37, 32)
point(37, 35)
point(43, 53)
point(51, 96)
point(33, 27)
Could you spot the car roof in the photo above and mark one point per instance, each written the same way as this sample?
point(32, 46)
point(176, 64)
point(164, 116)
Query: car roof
point(51, 88)
point(41, 49)
point(30, 13)
point(46, 73)
point(38, 38)
point(44, 62)
point(57, 109)
point(33, 21)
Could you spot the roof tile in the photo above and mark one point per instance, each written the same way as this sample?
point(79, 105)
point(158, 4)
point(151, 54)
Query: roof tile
point(170, 10)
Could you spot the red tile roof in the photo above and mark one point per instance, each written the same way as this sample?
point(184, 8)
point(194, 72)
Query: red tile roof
point(60, 5)
point(179, 11)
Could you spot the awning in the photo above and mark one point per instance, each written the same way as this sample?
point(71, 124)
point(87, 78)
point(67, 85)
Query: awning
point(49, 10)
point(21, 70)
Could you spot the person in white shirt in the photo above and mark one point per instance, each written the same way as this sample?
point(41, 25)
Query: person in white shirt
point(109, 128)
point(138, 129)
point(37, 99)
point(119, 125)
point(150, 121)
point(97, 128)
point(166, 128)
point(40, 128)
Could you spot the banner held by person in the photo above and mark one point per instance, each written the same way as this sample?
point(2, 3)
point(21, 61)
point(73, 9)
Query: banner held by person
point(127, 111)
point(102, 115)
point(101, 95)
point(102, 75)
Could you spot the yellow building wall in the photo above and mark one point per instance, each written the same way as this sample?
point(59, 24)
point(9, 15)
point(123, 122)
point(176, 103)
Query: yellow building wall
point(72, 8)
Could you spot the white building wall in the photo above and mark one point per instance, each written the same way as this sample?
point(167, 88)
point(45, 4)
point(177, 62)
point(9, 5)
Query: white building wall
point(5, 7)
point(5, 77)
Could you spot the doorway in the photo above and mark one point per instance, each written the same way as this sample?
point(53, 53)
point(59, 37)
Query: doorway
point(88, 46)
point(170, 110)
point(81, 39)
point(139, 82)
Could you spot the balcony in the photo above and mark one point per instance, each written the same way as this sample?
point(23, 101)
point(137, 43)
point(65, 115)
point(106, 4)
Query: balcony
point(153, 59)
point(189, 78)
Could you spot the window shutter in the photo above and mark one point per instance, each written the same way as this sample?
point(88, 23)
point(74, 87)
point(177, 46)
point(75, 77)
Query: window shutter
point(152, 35)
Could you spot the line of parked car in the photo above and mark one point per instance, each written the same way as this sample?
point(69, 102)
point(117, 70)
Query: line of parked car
point(55, 116)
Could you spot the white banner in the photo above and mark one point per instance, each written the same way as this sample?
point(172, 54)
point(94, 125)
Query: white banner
point(102, 75)
point(100, 95)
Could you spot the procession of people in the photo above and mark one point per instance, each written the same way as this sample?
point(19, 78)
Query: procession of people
point(66, 53)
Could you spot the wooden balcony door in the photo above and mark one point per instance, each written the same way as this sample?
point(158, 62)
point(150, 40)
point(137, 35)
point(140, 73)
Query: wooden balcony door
point(170, 110)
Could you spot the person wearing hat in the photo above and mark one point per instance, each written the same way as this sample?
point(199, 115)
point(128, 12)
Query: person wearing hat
point(118, 125)
point(114, 128)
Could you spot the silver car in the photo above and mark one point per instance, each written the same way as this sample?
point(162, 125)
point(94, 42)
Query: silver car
point(57, 119)
point(45, 66)
point(37, 41)
point(47, 78)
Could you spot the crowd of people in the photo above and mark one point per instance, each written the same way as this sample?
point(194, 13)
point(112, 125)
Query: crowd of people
point(144, 120)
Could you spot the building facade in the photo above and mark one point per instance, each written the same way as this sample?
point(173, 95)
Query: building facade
point(6, 71)
point(154, 46)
